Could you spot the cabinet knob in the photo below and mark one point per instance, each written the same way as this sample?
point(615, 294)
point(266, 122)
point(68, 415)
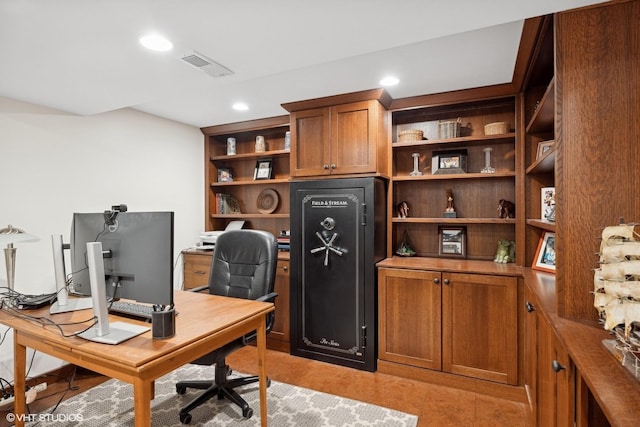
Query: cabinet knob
point(530, 307)
point(446, 281)
point(556, 366)
point(333, 166)
point(436, 281)
point(200, 272)
point(285, 268)
point(325, 167)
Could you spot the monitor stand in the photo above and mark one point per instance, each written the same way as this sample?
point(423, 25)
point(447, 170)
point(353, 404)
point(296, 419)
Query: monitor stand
point(63, 303)
point(103, 332)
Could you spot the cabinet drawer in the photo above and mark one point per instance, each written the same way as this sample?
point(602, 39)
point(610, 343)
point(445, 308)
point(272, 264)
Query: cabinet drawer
point(196, 269)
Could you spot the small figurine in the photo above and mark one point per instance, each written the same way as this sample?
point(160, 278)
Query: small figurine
point(506, 251)
point(506, 209)
point(403, 210)
point(450, 211)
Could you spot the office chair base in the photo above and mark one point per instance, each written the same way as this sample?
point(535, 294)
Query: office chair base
point(225, 390)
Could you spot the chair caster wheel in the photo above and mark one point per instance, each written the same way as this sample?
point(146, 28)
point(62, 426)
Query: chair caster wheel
point(185, 418)
point(247, 413)
point(181, 390)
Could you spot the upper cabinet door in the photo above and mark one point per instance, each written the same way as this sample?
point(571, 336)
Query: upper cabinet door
point(353, 138)
point(310, 148)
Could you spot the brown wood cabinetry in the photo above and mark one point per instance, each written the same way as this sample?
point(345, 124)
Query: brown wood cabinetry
point(245, 188)
point(476, 194)
point(332, 136)
point(549, 372)
point(197, 265)
point(196, 268)
point(464, 324)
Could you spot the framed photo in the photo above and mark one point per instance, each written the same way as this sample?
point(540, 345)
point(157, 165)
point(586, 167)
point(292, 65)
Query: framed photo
point(449, 162)
point(548, 204)
point(263, 169)
point(452, 241)
point(224, 175)
point(543, 148)
point(545, 259)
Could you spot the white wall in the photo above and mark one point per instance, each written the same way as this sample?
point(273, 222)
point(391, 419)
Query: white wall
point(53, 164)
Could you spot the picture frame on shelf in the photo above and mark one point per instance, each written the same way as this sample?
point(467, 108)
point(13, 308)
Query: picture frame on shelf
point(545, 259)
point(548, 204)
point(543, 148)
point(264, 169)
point(225, 175)
point(446, 162)
point(452, 241)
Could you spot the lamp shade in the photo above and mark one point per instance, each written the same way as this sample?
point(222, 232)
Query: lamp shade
point(12, 234)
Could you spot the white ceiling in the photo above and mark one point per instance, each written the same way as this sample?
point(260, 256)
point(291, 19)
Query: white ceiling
point(83, 56)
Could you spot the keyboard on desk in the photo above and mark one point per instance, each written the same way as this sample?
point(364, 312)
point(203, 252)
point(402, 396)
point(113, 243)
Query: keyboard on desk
point(133, 309)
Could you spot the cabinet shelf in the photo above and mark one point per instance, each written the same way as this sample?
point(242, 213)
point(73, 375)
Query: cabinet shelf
point(542, 224)
point(460, 221)
point(248, 156)
point(255, 182)
point(454, 176)
point(249, 216)
point(545, 164)
point(543, 118)
point(506, 138)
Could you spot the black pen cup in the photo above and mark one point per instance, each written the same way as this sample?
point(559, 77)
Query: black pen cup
point(163, 324)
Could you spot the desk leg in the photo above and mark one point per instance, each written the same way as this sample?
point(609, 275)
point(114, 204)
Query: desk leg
point(142, 393)
point(19, 385)
point(262, 369)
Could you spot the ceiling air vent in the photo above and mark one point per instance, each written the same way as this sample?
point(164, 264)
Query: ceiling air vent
point(205, 64)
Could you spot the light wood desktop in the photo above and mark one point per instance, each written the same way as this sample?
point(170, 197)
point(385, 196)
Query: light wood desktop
point(204, 323)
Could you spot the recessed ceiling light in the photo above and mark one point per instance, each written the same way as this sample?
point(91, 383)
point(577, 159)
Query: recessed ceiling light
point(240, 106)
point(156, 42)
point(389, 81)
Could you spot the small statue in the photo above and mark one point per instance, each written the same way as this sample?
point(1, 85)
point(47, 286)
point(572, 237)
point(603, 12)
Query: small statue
point(450, 211)
point(403, 210)
point(506, 209)
point(450, 207)
point(506, 251)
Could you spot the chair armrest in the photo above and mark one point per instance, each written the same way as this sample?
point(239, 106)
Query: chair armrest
point(268, 297)
point(199, 288)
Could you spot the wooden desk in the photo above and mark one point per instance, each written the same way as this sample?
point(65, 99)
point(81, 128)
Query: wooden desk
point(204, 323)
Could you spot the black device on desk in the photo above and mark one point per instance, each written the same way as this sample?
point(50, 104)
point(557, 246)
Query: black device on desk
point(137, 249)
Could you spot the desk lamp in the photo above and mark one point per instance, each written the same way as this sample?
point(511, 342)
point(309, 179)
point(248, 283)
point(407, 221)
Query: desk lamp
point(9, 236)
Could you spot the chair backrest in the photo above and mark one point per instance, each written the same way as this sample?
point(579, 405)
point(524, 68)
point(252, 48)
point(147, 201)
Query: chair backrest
point(244, 264)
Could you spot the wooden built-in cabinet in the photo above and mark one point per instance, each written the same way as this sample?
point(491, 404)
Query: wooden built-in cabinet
point(342, 135)
point(458, 323)
point(197, 266)
point(476, 195)
point(244, 188)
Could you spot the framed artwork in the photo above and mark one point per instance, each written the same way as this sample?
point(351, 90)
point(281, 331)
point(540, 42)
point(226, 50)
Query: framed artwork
point(263, 169)
point(543, 148)
point(548, 204)
point(545, 259)
point(452, 241)
point(224, 175)
point(443, 162)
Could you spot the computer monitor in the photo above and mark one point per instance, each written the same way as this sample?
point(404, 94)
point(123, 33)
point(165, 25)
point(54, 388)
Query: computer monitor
point(138, 254)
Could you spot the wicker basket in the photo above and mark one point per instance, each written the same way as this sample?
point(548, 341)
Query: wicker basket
point(449, 128)
point(410, 135)
point(496, 128)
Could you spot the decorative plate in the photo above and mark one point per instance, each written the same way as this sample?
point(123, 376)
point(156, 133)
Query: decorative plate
point(267, 201)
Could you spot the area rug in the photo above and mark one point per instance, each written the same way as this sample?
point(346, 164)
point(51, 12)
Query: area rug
point(111, 404)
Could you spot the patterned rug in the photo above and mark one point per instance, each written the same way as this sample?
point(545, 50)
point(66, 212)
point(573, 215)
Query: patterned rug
point(111, 404)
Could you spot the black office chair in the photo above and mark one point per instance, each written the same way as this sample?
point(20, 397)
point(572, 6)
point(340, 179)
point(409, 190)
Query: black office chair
point(243, 266)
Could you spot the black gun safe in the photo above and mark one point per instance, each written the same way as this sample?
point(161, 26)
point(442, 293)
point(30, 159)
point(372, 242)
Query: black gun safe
point(338, 233)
